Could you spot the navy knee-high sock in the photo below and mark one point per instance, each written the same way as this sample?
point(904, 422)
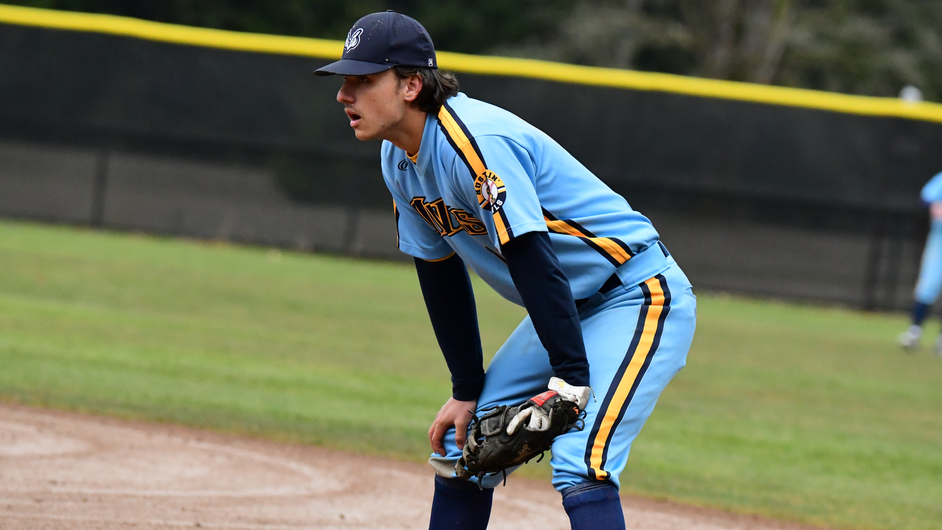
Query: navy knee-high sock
point(594, 506)
point(920, 311)
point(459, 505)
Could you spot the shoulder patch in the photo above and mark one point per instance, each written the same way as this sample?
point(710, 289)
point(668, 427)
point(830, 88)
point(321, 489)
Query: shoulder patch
point(490, 190)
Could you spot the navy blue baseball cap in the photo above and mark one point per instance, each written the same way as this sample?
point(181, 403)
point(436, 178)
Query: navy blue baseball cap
point(380, 41)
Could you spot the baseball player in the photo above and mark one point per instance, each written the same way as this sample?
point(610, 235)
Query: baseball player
point(929, 284)
point(610, 314)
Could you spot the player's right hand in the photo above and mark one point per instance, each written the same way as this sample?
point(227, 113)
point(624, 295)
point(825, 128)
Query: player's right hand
point(577, 394)
point(453, 413)
point(536, 418)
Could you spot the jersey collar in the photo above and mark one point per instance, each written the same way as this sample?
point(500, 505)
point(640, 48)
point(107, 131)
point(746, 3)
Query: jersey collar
point(427, 146)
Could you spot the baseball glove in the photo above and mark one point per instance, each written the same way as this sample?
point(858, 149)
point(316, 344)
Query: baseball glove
point(505, 437)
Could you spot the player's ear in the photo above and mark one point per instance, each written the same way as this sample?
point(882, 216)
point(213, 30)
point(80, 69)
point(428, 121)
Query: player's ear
point(412, 87)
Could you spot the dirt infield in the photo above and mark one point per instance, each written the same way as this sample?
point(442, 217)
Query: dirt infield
point(68, 471)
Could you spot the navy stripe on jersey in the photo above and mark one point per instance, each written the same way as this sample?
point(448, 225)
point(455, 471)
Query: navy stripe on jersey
point(612, 249)
point(494, 252)
point(457, 134)
point(396, 211)
point(509, 233)
point(460, 138)
point(466, 132)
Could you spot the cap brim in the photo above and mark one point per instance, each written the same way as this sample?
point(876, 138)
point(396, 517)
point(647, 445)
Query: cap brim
point(352, 67)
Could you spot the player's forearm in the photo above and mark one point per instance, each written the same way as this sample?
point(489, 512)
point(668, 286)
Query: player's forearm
point(548, 298)
point(449, 298)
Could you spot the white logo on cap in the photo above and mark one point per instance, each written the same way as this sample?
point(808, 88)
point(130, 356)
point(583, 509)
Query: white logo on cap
point(431, 62)
point(353, 39)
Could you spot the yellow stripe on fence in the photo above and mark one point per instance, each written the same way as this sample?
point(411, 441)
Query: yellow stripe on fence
point(475, 64)
point(691, 86)
point(172, 33)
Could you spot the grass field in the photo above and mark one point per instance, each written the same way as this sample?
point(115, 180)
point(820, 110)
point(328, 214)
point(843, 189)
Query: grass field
point(799, 413)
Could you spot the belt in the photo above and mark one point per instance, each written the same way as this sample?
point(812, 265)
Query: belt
point(611, 283)
point(645, 264)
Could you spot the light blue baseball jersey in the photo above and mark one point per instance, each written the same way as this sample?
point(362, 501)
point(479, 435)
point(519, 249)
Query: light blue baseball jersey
point(483, 176)
point(932, 191)
point(929, 285)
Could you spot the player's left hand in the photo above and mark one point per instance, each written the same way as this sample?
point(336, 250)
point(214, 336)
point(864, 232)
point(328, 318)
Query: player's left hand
point(453, 413)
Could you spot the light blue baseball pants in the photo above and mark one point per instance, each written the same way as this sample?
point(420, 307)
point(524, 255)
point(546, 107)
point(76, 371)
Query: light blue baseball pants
point(636, 340)
point(929, 284)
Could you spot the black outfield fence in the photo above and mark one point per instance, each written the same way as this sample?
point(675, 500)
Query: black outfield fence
point(128, 125)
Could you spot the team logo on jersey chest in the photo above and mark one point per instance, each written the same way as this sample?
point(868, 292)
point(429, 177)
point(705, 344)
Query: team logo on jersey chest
point(490, 190)
point(445, 220)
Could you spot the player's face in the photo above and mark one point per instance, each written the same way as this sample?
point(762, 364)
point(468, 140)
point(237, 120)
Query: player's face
point(375, 105)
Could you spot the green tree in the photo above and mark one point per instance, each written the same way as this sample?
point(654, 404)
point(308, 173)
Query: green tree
point(871, 47)
point(469, 26)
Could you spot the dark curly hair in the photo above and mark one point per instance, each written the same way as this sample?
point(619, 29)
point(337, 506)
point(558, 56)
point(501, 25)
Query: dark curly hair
point(437, 86)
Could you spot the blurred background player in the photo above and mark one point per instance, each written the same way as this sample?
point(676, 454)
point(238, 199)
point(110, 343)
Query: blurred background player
point(475, 186)
point(929, 284)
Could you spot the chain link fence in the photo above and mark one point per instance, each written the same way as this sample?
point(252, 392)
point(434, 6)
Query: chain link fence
point(137, 135)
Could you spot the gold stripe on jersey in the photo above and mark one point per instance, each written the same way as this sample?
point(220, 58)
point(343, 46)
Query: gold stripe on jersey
point(643, 345)
point(613, 249)
point(439, 259)
point(461, 139)
point(503, 231)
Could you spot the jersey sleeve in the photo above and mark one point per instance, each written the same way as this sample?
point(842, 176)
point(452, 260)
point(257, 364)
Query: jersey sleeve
point(932, 191)
point(547, 295)
point(414, 236)
point(449, 299)
point(498, 175)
